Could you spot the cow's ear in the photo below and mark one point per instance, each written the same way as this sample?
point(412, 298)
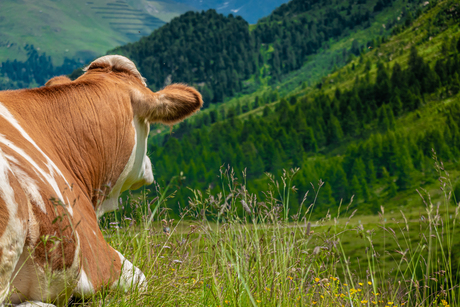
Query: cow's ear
point(169, 106)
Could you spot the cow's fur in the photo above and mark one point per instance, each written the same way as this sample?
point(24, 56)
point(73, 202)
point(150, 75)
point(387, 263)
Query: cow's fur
point(58, 80)
point(67, 151)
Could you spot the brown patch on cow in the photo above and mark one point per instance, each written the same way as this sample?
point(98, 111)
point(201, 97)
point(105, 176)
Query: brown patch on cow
point(56, 245)
point(58, 80)
point(4, 217)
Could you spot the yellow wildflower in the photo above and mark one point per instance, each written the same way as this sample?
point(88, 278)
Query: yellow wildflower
point(317, 279)
point(314, 303)
point(363, 302)
point(361, 284)
point(369, 283)
point(258, 301)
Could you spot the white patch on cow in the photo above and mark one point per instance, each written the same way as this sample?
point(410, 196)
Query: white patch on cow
point(13, 238)
point(28, 185)
point(84, 287)
point(34, 304)
point(137, 172)
point(35, 283)
point(10, 118)
point(117, 62)
point(48, 178)
point(130, 275)
point(69, 206)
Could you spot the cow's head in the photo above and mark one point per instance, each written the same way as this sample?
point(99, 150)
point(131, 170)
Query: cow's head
point(168, 106)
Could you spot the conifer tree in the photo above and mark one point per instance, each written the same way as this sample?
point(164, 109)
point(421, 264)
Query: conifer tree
point(335, 130)
point(365, 190)
point(351, 122)
point(371, 175)
point(339, 181)
point(359, 169)
point(309, 141)
point(392, 188)
point(405, 166)
point(356, 188)
point(256, 102)
point(325, 198)
point(382, 88)
point(213, 116)
point(397, 77)
point(396, 103)
point(266, 111)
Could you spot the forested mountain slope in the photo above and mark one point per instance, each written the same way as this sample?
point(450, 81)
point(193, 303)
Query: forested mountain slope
point(225, 56)
point(367, 129)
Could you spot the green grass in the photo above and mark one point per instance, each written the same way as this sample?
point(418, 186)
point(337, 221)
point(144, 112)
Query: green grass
point(234, 250)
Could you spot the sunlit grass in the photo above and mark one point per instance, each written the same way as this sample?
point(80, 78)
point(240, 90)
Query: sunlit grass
point(232, 249)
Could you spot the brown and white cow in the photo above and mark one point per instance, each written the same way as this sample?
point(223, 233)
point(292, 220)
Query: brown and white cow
point(67, 151)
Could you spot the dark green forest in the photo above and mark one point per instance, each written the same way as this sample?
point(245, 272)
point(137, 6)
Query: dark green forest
point(301, 131)
point(219, 54)
point(35, 71)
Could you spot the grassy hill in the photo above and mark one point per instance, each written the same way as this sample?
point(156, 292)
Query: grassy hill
point(78, 29)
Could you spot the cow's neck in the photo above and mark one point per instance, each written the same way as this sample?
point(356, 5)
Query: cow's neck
point(133, 170)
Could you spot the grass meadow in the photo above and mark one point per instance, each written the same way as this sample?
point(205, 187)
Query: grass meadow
point(232, 249)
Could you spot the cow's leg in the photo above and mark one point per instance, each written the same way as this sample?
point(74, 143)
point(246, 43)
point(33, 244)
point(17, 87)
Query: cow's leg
point(13, 226)
point(131, 276)
point(103, 267)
